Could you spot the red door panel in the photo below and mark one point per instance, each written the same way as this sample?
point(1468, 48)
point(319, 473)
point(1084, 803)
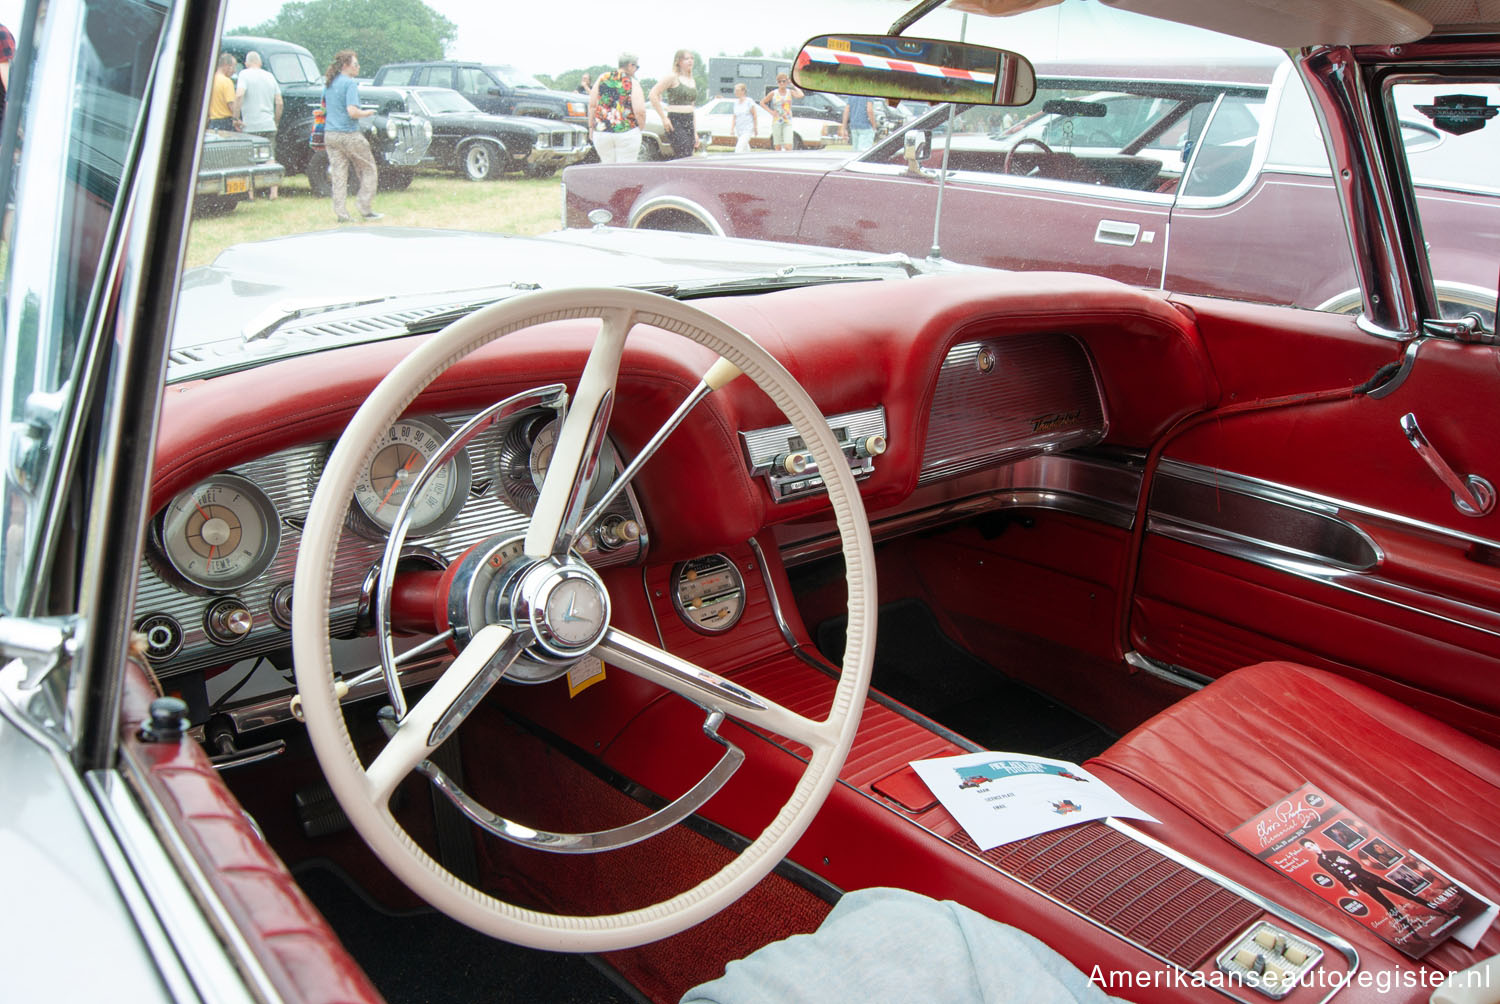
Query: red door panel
point(1292, 526)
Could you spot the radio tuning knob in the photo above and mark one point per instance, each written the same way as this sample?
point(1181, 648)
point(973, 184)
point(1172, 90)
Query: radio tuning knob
point(870, 446)
point(791, 463)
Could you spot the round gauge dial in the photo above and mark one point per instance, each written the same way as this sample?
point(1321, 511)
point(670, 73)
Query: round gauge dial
point(525, 455)
point(399, 459)
point(708, 593)
point(541, 452)
point(220, 533)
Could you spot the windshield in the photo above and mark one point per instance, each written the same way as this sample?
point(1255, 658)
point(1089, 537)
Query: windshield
point(516, 78)
point(1137, 128)
point(293, 68)
point(437, 102)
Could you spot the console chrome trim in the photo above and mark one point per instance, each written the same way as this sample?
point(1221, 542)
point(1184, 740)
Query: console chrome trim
point(1335, 941)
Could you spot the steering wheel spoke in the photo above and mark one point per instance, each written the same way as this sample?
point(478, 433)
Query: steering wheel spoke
point(443, 708)
point(575, 458)
point(661, 667)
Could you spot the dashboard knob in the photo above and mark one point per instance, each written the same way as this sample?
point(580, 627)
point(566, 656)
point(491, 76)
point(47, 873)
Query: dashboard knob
point(870, 446)
point(617, 532)
point(227, 621)
point(792, 463)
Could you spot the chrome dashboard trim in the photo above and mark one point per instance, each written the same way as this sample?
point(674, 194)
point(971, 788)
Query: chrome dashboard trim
point(771, 595)
point(1105, 491)
point(289, 477)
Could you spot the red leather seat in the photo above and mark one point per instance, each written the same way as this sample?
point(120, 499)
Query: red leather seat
point(1228, 751)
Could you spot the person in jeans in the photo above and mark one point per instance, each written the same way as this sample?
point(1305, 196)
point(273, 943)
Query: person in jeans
point(257, 100)
point(342, 139)
point(859, 122)
point(616, 111)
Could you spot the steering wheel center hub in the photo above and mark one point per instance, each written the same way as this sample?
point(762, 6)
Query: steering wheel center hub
point(567, 607)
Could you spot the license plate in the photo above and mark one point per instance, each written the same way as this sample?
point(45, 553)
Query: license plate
point(838, 44)
point(234, 186)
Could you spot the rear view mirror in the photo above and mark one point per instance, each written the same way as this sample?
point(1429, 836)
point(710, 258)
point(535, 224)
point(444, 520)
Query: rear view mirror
point(922, 69)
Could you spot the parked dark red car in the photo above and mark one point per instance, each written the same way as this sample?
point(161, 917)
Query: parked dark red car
point(1093, 175)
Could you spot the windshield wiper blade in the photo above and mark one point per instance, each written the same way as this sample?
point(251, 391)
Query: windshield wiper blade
point(265, 323)
point(437, 322)
point(896, 259)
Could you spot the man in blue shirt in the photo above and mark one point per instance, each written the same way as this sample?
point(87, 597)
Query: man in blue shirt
point(342, 140)
point(859, 122)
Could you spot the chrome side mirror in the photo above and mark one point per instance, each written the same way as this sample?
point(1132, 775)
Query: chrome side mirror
point(918, 144)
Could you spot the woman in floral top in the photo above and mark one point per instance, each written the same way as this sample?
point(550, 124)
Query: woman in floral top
point(616, 111)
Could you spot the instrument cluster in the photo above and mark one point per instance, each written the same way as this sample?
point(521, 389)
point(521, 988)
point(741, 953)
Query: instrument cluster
point(217, 583)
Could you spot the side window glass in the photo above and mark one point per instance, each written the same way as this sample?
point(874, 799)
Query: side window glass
point(1451, 140)
point(398, 76)
point(74, 165)
point(1227, 151)
point(1101, 139)
point(475, 83)
point(438, 76)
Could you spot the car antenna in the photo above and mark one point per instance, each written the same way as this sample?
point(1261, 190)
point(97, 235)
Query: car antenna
point(911, 17)
point(936, 251)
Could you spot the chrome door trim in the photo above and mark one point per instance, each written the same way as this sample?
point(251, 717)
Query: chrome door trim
point(1342, 105)
point(200, 929)
point(1287, 495)
point(1366, 583)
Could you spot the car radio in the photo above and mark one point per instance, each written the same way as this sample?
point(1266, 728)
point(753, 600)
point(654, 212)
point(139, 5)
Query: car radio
point(781, 456)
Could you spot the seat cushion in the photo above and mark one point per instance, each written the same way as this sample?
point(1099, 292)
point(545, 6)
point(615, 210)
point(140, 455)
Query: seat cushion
point(1228, 751)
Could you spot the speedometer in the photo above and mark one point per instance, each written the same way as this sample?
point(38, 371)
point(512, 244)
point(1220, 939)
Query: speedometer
point(221, 533)
point(399, 458)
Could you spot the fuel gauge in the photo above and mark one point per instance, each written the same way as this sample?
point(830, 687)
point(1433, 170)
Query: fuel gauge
point(708, 593)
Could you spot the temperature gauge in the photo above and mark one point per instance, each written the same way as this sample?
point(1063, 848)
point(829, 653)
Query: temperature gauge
point(220, 534)
point(708, 593)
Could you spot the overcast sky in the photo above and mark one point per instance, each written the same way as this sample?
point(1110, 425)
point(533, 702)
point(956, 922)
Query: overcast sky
point(595, 31)
point(553, 38)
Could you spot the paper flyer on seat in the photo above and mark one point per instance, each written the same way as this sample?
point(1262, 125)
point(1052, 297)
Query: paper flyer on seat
point(1003, 797)
point(1396, 893)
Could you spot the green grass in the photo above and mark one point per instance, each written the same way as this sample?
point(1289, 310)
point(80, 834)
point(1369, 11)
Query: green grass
point(510, 205)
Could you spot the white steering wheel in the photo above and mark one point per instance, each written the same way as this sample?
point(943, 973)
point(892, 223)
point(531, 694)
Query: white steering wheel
point(557, 609)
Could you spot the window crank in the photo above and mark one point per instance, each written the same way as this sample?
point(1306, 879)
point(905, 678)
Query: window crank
point(1472, 495)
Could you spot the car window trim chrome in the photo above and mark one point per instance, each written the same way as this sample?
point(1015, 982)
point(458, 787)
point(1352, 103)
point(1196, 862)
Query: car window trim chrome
point(1377, 239)
point(147, 262)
